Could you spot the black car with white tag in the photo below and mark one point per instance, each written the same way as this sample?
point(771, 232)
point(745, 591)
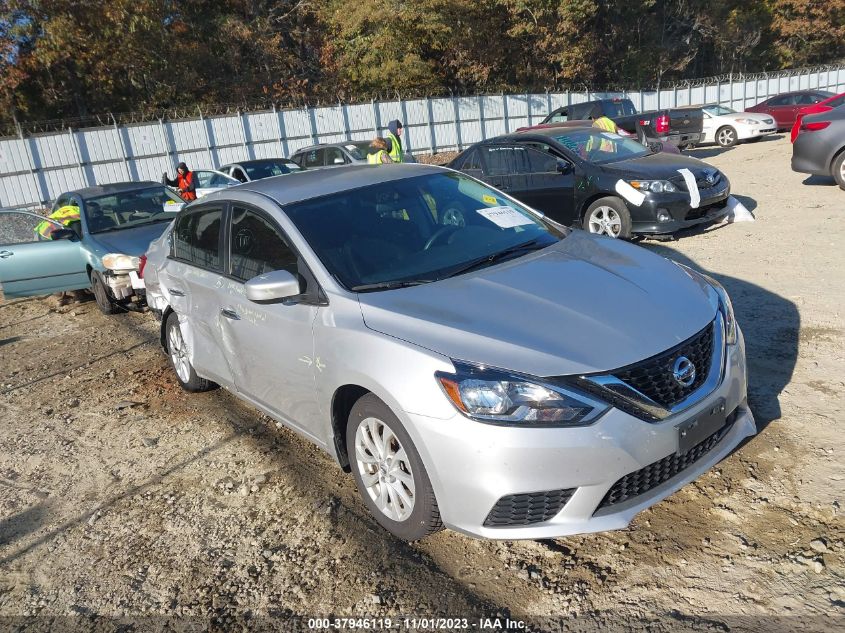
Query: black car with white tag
point(598, 181)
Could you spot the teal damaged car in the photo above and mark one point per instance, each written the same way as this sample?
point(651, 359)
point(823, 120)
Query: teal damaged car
point(93, 238)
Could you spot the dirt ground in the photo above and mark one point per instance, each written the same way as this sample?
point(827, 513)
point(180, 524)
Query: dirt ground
point(123, 497)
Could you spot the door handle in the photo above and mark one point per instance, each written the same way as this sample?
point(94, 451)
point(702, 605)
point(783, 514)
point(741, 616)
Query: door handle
point(5, 254)
point(176, 292)
point(230, 314)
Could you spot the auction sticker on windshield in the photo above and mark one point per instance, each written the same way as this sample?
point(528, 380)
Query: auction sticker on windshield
point(172, 206)
point(505, 217)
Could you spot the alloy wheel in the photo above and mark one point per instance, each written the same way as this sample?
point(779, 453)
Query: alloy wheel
point(726, 137)
point(385, 469)
point(605, 221)
point(179, 353)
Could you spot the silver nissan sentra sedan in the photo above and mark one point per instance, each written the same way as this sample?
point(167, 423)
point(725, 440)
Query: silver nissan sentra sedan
point(473, 364)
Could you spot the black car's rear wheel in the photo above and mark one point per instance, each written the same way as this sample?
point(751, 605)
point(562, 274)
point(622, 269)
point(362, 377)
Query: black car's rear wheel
point(608, 216)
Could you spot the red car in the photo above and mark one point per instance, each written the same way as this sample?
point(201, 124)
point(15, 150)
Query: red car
point(784, 107)
point(821, 106)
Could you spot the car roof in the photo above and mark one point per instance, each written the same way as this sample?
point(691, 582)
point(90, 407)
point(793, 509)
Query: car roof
point(307, 184)
point(256, 161)
point(538, 134)
point(324, 145)
point(115, 187)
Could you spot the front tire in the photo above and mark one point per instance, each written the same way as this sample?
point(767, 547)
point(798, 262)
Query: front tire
point(388, 471)
point(837, 170)
point(608, 216)
point(177, 352)
point(726, 136)
point(101, 294)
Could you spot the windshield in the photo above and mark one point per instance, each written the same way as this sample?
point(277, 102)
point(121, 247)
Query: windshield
point(132, 208)
point(266, 169)
point(599, 147)
point(358, 149)
point(717, 110)
point(417, 230)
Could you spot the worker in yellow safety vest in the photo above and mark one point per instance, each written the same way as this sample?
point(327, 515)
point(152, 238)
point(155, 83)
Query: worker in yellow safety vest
point(65, 216)
point(394, 141)
point(378, 152)
point(607, 125)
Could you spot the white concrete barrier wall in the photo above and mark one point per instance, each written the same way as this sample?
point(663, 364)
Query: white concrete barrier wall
point(35, 169)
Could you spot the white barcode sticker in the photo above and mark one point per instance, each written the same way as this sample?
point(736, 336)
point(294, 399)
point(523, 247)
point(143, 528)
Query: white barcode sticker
point(692, 186)
point(629, 193)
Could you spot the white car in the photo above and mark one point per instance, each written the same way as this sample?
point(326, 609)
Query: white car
point(726, 127)
point(209, 180)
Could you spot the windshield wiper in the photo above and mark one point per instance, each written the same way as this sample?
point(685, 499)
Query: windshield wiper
point(488, 260)
point(390, 285)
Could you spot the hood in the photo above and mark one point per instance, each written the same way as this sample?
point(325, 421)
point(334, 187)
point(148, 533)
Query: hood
point(586, 304)
point(132, 241)
point(657, 166)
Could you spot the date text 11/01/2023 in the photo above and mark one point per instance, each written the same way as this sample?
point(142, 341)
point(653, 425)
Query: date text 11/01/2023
point(416, 624)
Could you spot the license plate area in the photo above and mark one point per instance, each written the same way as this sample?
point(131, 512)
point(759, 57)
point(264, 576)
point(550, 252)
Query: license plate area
point(694, 431)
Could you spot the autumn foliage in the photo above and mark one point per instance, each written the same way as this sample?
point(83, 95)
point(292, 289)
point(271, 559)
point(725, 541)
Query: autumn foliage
point(73, 58)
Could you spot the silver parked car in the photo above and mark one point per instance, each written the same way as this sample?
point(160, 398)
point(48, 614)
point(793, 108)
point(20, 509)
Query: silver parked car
point(507, 378)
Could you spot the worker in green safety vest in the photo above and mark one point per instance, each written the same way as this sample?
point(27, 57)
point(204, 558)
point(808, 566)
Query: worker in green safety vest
point(378, 152)
point(394, 141)
point(65, 216)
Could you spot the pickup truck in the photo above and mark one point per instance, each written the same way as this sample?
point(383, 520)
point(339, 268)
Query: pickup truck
point(680, 126)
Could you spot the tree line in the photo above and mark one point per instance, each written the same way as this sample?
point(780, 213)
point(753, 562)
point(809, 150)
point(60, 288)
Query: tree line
point(75, 58)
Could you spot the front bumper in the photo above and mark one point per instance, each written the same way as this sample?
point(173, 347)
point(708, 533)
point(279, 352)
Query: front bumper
point(473, 465)
point(747, 132)
point(713, 205)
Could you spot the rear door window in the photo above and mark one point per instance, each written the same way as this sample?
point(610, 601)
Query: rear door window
point(783, 100)
point(472, 163)
point(196, 238)
point(258, 246)
point(314, 158)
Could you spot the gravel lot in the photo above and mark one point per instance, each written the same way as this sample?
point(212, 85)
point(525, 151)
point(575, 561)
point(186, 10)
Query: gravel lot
point(123, 497)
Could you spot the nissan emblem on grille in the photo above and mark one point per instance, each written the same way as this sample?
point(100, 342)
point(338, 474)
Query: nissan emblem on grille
point(683, 371)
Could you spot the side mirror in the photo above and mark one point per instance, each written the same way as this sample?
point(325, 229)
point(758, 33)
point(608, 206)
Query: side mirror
point(339, 161)
point(64, 234)
point(279, 284)
point(564, 166)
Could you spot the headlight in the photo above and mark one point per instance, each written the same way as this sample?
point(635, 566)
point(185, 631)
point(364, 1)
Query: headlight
point(120, 262)
point(748, 121)
point(656, 186)
point(498, 397)
point(725, 305)
point(727, 309)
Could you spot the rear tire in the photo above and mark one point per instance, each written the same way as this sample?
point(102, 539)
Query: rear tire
point(608, 216)
point(388, 471)
point(726, 136)
point(101, 294)
point(837, 170)
point(177, 352)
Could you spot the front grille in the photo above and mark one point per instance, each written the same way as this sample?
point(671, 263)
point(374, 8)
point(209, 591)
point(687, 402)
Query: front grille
point(528, 508)
point(654, 378)
point(701, 183)
point(648, 478)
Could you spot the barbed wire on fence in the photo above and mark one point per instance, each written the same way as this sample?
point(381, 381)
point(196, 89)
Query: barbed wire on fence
point(176, 113)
